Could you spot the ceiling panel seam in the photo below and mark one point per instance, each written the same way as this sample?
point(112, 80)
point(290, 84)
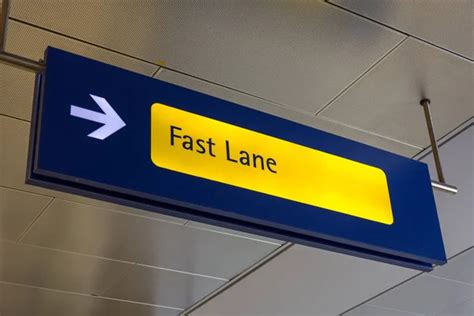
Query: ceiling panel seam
point(67, 252)
point(149, 62)
point(138, 302)
point(381, 293)
point(33, 222)
point(239, 277)
point(156, 72)
point(368, 132)
point(101, 207)
point(133, 263)
point(89, 296)
point(403, 282)
point(119, 279)
point(400, 31)
point(450, 280)
point(395, 310)
point(14, 117)
point(181, 271)
point(161, 220)
point(80, 40)
point(232, 234)
point(160, 68)
point(446, 138)
point(361, 76)
point(24, 191)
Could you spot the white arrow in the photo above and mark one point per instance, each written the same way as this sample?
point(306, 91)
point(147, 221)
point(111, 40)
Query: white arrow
point(111, 120)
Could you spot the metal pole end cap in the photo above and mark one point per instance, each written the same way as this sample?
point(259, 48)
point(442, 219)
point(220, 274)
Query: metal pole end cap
point(425, 101)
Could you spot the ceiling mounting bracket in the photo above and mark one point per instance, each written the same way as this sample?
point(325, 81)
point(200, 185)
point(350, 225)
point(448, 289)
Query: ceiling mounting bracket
point(12, 59)
point(441, 183)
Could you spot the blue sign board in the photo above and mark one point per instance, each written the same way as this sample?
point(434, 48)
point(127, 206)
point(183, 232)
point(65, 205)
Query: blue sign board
point(108, 133)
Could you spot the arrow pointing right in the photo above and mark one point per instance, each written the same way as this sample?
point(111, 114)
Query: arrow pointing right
point(111, 120)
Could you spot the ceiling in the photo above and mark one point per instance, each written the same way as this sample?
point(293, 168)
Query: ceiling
point(353, 68)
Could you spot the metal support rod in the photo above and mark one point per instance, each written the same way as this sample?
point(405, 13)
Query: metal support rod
point(4, 24)
point(444, 186)
point(441, 183)
point(21, 62)
point(12, 59)
point(434, 145)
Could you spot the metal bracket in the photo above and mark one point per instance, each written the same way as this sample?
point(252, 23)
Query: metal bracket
point(440, 184)
point(12, 59)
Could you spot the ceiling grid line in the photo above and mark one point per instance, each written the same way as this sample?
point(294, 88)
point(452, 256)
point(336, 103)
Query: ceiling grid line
point(117, 280)
point(30, 225)
point(395, 310)
point(89, 296)
point(239, 277)
point(446, 138)
point(284, 106)
point(67, 252)
point(403, 282)
point(372, 133)
point(156, 72)
point(134, 263)
point(14, 118)
point(180, 271)
point(449, 280)
point(160, 67)
point(381, 293)
point(22, 190)
point(231, 234)
point(400, 31)
point(360, 77)
point(80, 40)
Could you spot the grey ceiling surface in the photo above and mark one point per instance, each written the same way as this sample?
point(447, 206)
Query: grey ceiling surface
point(137, 239)
point(18, 209)
point(20, 300)
point(456, 212)
point(425, 295)
point(260, 47)
point(304, 281)
point(386, 100)
point(311, 62)
point(444, 23)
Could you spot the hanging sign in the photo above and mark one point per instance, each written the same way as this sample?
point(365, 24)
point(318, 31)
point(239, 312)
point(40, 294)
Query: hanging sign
point(111, 134)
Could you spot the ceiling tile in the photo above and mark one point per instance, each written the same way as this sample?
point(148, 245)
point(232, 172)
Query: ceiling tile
point(368, 310)
point(296, 53)
point(424, 295)
point(287, 113)
point(31, 42)
point(386, 100)
point(16, 300)
point(14, 138)
point(304, 281)
point(464, 308)
point(460, 268)
point(58, 270)
point(169, 288)
point(456, 211)
point(17, 210)
point(444, 23)
point(16, 92)
point(147, 241)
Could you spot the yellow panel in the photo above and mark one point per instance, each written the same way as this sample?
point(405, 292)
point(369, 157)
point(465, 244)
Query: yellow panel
point(196, 145)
